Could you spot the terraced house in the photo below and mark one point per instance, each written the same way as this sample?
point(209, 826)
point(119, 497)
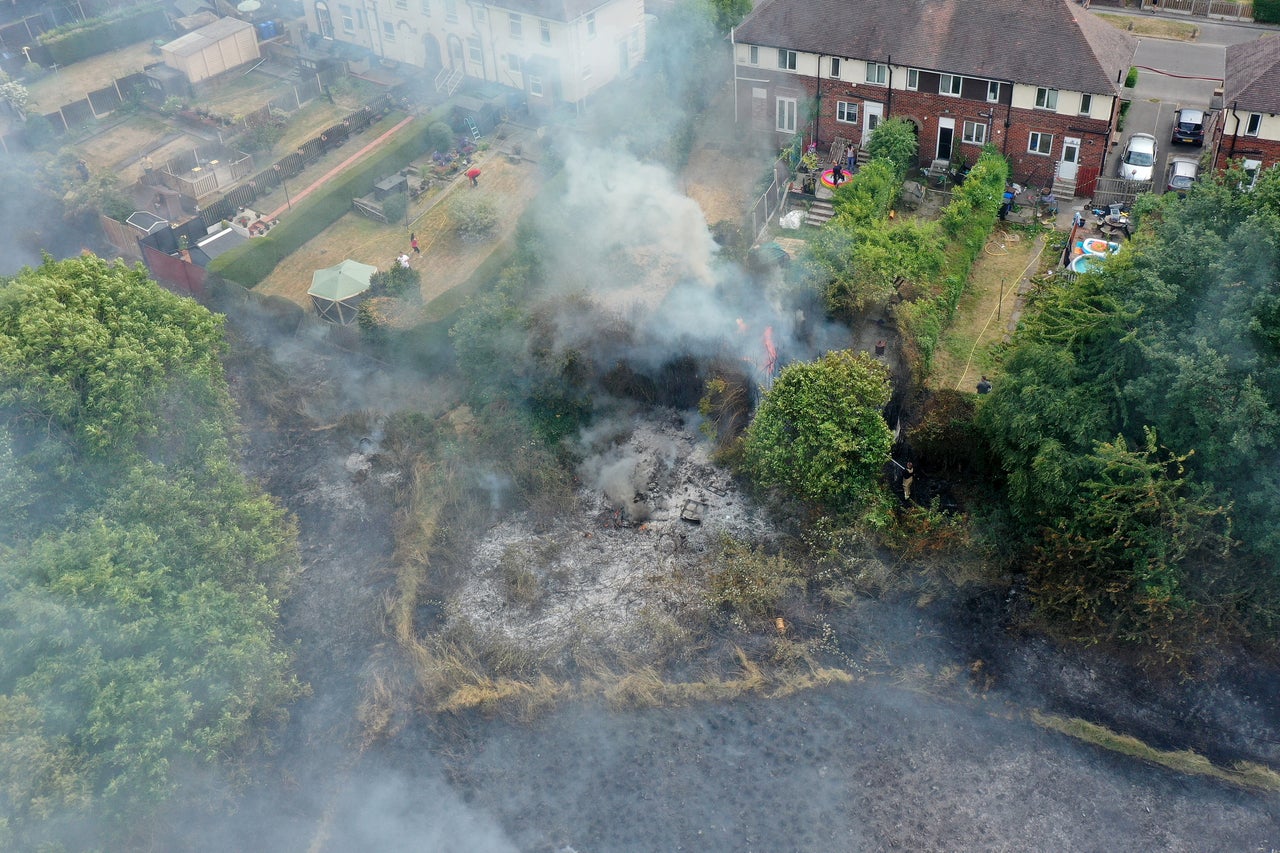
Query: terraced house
point(556, 51)
point(1250, 127)
point(1040, 79)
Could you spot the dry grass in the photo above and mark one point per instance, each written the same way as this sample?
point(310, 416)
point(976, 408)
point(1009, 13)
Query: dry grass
point(445, 262)
point(1244, 773)
point(983, 316)
point(1160, 28)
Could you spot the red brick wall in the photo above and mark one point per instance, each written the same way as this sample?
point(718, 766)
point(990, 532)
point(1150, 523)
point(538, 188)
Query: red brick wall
point(1249, 148)
point(925, 109)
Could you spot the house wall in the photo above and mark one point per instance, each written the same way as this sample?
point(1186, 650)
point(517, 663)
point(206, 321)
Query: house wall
point(1014, 116)
point(563, 61)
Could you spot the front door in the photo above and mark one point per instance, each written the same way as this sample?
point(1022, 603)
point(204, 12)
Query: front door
point(759, 109)
point(872, 115)
point(1070, 162)
point(946, 135)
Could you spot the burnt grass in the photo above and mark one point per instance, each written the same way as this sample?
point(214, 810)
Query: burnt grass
point(929, 748)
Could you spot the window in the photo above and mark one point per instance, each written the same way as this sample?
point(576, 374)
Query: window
point(1086, 104)
point(949, 84)
point(348, 22)
point(1254, 126)
point(388, 31)
point(787, 59)
point(474, 49)
point(1040, 143)
point(974, 133)
point(361, 20)
point(787, 115)
point(835, 66)
point(535, 85)
point(323, 20)
point(753, 54)
point(479, 15)
point(913, 79)
point(586, 72)
point(516, 25)
point(1251, 169)
point(846, 112)
point(1047, 99)
point(426, 8)
point(513, 63)
point(993, 92)
point(402, 4)
point(591, 25)
point(451, 11)
point(544, 31)
point(878, 73)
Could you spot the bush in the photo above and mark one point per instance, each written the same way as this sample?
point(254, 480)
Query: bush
point(894, 139)
point(394, 208)
point(81, 39)
point(750, 582)
point(1131, 79)
point(439, 137)
point(472, 217)
point(1266, 11)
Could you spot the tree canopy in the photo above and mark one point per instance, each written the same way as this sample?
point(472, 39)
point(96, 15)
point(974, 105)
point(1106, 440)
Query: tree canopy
point(1176, 337)
point(141, 568)
point(819, 431)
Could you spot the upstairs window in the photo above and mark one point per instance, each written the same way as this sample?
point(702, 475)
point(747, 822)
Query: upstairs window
point(591, 25)
point(787, 59)
point(1254, 125)
point(950, 84)
point(515, 25)
point(388, 31)
point(913, 79)
point(348, 22)
point(1086, 104)
point(753, 54)
point(451, 11)
point(878, 73)
point(475, 49)
point(425, 8)
point(1046, 99)
point(544, 31)
point(835, 66)
point(993, 92)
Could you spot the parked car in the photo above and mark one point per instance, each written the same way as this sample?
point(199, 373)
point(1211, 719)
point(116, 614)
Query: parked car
point(1183, 172)
point(1188, 126)
point(1138, 163)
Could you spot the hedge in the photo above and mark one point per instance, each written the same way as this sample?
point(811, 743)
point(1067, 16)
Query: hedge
point(252, 262)
point(1266, 11)
point(81, 39)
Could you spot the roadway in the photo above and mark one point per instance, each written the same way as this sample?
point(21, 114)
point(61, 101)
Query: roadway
point(1173, 74)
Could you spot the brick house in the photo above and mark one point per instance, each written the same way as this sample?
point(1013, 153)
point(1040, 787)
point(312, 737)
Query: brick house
point(1040, 79)
point(1249, 129)
point(555, 51)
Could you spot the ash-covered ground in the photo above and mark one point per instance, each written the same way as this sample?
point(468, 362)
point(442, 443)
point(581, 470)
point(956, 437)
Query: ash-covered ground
point(633, 549)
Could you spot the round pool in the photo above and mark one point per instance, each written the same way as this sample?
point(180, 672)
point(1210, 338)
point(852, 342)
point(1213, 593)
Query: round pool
point(1085, 262)
point(1094, 246)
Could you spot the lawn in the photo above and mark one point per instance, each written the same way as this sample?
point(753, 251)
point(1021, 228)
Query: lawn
point(982, 319)
point(445, 262)
point(1153, 27)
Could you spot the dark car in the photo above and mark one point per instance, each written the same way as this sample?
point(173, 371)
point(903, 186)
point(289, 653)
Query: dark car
point(1188, 126)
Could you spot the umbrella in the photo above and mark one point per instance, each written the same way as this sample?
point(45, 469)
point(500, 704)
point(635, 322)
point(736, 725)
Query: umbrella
point(334, 290)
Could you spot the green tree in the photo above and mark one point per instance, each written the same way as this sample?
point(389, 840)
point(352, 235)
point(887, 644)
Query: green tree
point(1121, 565)
point(819, 431)
point(729, 13)
point(894, 139)
point(92, 347)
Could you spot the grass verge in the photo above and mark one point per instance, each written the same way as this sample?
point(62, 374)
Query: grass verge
point(1245, 774)
point(1153, 27)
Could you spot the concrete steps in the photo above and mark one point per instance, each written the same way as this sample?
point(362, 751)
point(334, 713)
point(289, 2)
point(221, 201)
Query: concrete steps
point(819, 213)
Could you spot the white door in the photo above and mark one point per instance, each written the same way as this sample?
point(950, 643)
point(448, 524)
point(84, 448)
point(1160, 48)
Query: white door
point(946, 136)
point(1070, 162)
point(872, 113)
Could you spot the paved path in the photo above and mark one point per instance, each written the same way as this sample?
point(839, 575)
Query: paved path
point(275, 214)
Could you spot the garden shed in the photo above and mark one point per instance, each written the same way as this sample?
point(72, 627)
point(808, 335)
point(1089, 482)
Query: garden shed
point(207, 52)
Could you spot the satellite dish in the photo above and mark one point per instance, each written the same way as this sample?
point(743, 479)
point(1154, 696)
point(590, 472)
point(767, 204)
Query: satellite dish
point(249, 5)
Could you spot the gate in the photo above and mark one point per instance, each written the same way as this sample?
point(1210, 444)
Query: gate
point(1118, 191)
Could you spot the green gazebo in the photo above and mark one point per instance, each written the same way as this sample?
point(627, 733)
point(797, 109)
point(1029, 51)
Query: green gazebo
point(336, 291)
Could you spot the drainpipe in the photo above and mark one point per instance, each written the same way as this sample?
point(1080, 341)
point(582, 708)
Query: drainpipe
point(888, 97)
point(1008, 122)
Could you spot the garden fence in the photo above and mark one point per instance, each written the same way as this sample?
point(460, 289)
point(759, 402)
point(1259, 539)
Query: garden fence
point(770, 201)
